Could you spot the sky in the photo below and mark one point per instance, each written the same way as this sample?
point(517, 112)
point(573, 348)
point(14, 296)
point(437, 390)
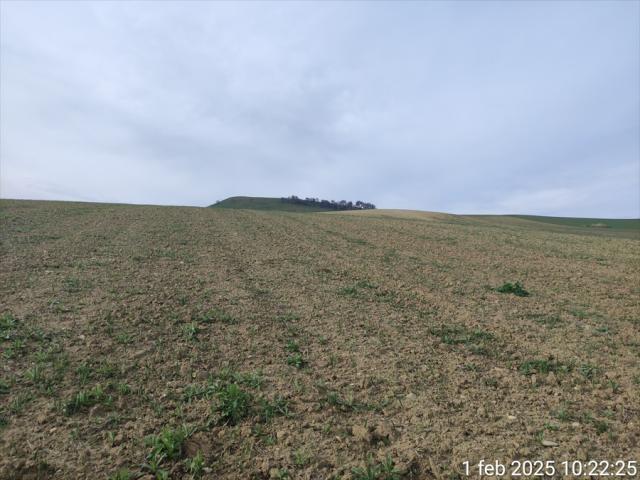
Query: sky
point(461, 107)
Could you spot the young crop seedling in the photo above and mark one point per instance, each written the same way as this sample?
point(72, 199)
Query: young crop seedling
point(167, 445)
point(292, 347)
point(279, 406)
point(377, 471)
point(233, 404)
point(190, 330)
point(296, 360)
point(542, 366)
point(195, 465)
point(85, 399)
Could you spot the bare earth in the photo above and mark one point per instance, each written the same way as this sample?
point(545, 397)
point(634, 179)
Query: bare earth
point(311, 346)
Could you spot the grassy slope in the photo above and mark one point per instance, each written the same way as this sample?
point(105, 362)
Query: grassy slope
point(265, 203)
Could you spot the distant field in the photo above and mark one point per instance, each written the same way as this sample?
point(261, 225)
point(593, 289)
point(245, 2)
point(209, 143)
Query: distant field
point(617, 224)
point(626, 228)
point(222, 343)
point(265, 203)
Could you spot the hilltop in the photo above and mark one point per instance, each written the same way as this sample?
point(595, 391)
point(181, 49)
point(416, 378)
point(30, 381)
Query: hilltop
point(265, 203)
point(292, 204)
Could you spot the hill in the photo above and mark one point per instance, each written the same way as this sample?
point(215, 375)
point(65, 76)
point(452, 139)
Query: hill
point(226, 343)
point(266, 203)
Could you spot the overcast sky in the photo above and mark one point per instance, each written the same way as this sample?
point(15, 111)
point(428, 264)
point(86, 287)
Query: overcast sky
point(464, 107)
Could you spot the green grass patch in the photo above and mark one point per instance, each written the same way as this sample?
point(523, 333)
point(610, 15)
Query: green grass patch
point(476, 340)
point(513, 288)
point(85, 399)
point(531, 367)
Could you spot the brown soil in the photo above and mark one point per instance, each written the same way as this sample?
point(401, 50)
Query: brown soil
point(406, 350)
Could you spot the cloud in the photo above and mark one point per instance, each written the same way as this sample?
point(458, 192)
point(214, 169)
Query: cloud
point(441, 106)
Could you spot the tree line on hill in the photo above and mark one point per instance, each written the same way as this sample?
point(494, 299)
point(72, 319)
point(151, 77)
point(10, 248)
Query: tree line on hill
point(329, 204)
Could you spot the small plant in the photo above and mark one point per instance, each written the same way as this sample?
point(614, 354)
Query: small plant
point(7, 322)
point(167, 445)
point(233, 403)
point(349, 291)
point(18, 403)
point(281, 474)
point(4, 387)
point(190, 330)
point(588, 371)
point(296, 360)
point(214, 315)
point(84, 373)
point(72, 285)
point(124, 338)
point(192, 392)
point(514, 288)
point(35, 374)
point(381, 471)
point(478, 341)
point(195, 465)
point(564, 414)
point(122, 474)
point(301, 458)
point(549, 321)
point(542, 366)
point(292, 347)
point(279, 406)
point(86, 398)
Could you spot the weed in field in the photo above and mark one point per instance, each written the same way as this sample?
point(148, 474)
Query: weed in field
point(549, 321)
point(84, 373)
point(19, 402)
point(214, 315)
point(366, 284)
point(565, 414)
point(85, 399)
point(377, 471)
point(600, 425)
point(108, 370)
point(35, 374)
point(190, 331)
point(7, 323)
point(124, 338)
point(477, 341)
point(301, 458)
point(195, 465)
point(287, 318)
point(542, 366)
point(72, 285)
point(233, 403)
point(578, 313)
point(122, 474)
point(513, 288)
point(281, 474)
point(348, 291)
point(277, 407)
point(292, 347)
point(250, 379)
point(167, 445)
point(192, 392)
point(588, 371)
point(4, 387)
point(296, 360)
